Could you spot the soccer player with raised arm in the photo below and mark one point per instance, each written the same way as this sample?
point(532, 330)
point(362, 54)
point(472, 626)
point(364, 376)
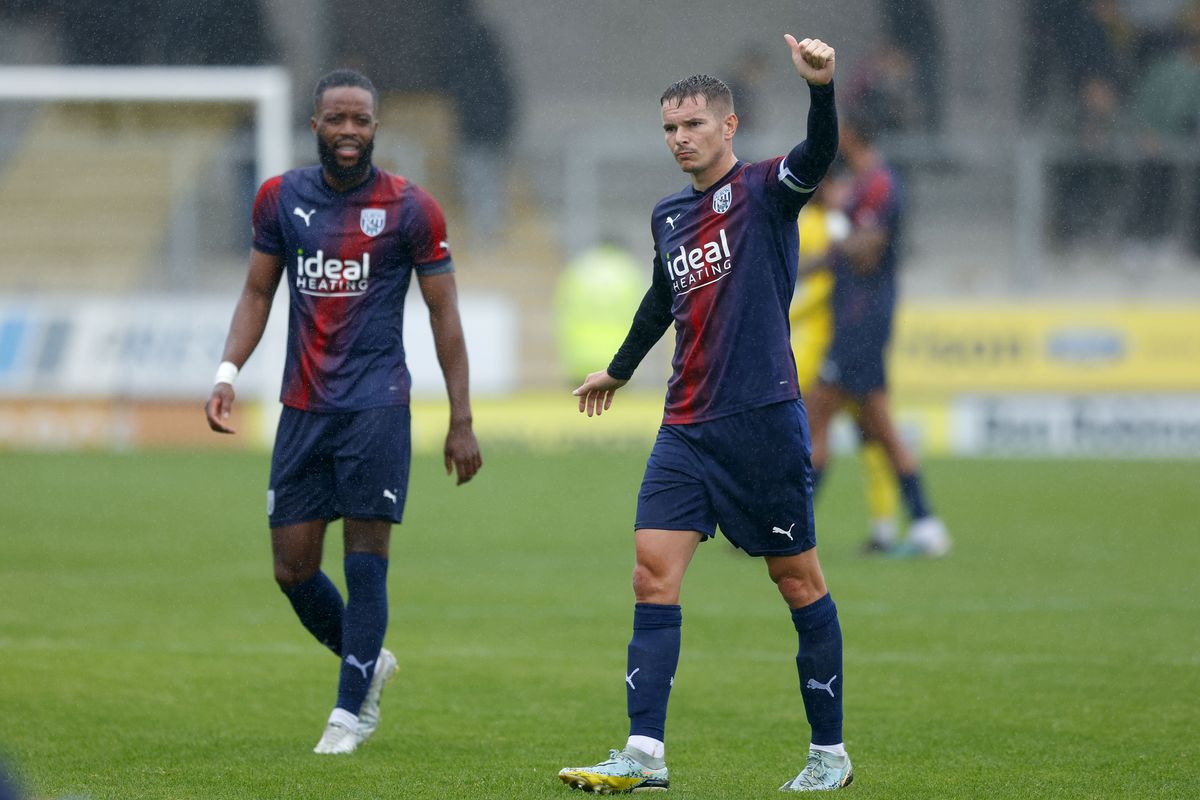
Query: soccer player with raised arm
point(733, 449)
point(349, 237)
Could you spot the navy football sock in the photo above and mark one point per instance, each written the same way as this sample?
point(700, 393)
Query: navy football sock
point(653, 656)
point(363, 626)
point(914, 496)
point(319, 605)
point(819, 662)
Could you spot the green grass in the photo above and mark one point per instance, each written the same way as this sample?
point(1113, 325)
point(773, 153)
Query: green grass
point(146, 653)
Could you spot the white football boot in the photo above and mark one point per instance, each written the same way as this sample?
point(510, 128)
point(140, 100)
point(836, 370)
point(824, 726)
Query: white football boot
point(368, 713)
point(927, 537)
point(341, 734)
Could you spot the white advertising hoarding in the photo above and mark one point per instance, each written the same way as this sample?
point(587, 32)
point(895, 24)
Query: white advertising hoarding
point(165, 347)
point(1107, 426)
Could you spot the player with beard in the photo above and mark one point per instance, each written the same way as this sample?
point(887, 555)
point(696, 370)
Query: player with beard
point(349, 238)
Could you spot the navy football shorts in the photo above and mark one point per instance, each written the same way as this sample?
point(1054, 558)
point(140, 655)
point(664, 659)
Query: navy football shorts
point(856, 362)
point(748, 473)
point(346, 464)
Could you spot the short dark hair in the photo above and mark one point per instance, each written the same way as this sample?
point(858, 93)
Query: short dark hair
point(714, 91)
point(344, 77)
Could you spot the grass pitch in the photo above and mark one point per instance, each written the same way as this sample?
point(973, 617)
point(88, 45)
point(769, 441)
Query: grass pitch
point(146, 653)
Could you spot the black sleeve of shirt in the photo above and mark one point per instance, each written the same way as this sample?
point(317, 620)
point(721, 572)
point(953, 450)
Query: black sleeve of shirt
point(809, 160)
point(649, 324)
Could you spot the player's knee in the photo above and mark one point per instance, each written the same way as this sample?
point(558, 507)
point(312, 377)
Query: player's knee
point(800, 589)
point(644, 581)
point(289, 576)
point(653, 586)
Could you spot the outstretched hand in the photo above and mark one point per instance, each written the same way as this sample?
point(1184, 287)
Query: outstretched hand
point(813, 59)
point(596, 393)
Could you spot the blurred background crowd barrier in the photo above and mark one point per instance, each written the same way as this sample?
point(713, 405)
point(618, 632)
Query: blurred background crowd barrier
point(1049, 150)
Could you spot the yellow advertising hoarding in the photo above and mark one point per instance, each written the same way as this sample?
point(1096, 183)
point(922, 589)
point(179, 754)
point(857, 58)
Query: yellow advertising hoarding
point(1034, 347)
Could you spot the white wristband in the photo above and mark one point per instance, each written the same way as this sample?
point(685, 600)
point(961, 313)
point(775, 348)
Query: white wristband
point(226, 373)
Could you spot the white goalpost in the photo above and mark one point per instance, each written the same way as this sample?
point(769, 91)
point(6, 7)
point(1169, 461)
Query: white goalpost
point(268, 89)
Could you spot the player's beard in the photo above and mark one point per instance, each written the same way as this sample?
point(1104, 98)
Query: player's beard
point(352, 175)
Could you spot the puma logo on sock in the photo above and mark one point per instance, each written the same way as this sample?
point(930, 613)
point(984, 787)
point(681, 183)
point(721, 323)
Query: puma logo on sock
point(814, 684)
point(353, 661)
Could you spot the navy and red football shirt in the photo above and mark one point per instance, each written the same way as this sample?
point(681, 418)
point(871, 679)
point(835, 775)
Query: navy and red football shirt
point(863, 302)
point(349, 259)
point(730, 254)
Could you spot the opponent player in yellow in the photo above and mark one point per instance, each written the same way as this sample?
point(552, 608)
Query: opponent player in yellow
point(811, 316)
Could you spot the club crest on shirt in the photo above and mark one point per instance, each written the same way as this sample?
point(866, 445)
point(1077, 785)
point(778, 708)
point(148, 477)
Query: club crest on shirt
point(723, 198)
point(372, 220)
